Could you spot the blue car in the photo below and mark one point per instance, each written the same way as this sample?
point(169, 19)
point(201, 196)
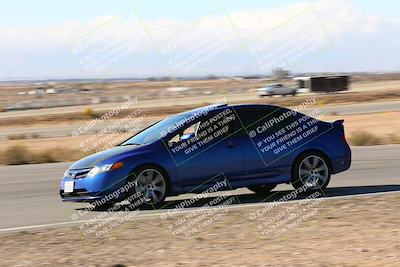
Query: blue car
point(222, 147)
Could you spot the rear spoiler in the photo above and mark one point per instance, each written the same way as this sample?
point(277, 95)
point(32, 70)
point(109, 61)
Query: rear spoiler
point(338, 122)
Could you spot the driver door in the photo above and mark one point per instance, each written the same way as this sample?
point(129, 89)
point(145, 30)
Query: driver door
point(209, 150)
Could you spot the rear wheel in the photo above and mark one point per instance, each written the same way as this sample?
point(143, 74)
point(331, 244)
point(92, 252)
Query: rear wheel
point(151, 185)
point(262, 189)
point(311, 171)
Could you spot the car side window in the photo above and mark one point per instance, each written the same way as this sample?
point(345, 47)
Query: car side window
point(213, 127)
point(186, 133)
point(279, 123)
point(225, 121)
point(251, 115)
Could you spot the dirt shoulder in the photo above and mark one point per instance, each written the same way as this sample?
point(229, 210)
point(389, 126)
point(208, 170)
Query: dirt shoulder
point(361, 231)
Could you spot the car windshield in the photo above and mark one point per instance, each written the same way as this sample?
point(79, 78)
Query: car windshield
point(158, 130)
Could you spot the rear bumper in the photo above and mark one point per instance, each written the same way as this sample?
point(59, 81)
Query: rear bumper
point(341, 164)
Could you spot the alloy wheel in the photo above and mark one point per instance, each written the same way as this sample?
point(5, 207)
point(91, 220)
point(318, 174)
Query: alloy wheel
point(151, 184)
point(313, 172)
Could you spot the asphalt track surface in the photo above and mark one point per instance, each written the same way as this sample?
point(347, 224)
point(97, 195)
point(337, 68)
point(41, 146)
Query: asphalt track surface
point(29, 193)
point(65, 130)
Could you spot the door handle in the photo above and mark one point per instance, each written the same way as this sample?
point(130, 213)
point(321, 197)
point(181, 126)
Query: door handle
point(230, 144)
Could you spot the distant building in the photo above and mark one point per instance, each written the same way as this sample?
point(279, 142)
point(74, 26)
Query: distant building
point(324, 83)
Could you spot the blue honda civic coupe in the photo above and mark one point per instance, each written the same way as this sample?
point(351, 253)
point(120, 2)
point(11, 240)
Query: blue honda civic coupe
point(231, 146)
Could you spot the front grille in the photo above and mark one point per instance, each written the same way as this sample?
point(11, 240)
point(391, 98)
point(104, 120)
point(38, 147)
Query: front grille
point(75, 193)
point(77, 174)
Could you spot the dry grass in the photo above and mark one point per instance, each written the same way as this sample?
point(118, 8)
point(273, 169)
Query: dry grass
point(365, 139)
point(381, 124)
point(20, 154)
point(394, 138)
point(361, 129)
point(17, 137)
point(88, 113)
point(340, 98)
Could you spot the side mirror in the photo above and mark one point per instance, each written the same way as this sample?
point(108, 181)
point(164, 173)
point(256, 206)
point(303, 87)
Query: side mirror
point(186, 136)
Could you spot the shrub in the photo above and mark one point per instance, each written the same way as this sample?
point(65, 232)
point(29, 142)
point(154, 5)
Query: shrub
point(35, 136)
point(17, 137)
point(47, 156)
point(394, 138)
point(88, 112)
point(364, 139)
point(17, 154)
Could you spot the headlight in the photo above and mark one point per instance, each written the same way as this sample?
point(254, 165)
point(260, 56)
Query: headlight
point(67, 174)
point(104, 168)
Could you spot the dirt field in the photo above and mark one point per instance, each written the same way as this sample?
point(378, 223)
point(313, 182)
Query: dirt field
point(362, 231)
point(382, 124)
point(162, 106)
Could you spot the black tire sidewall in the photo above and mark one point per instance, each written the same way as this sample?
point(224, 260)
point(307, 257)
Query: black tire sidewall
point(262, 189)
point(297, 182)
point(135, 173)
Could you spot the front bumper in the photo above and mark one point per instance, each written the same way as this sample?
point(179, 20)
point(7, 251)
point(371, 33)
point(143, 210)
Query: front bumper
point(89, 189)
point(79, 196)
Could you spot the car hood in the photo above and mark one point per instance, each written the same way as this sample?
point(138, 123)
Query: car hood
point(92, 160)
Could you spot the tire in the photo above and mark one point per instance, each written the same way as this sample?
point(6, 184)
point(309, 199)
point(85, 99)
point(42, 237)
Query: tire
point(294, 93)
point(311, 171)
point(151, 184)
point(262, 189)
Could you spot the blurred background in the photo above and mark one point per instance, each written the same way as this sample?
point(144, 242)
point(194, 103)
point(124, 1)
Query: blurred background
point(65, 64)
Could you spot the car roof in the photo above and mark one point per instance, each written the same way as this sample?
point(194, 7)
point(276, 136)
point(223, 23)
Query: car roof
point(225, 106)
point(253, 106)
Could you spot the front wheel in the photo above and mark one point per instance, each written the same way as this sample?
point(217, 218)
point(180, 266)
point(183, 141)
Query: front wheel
point(262, 189)
point(311, 172)
point(151, 184)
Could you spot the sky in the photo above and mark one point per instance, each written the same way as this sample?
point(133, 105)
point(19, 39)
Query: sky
point(45, 39)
